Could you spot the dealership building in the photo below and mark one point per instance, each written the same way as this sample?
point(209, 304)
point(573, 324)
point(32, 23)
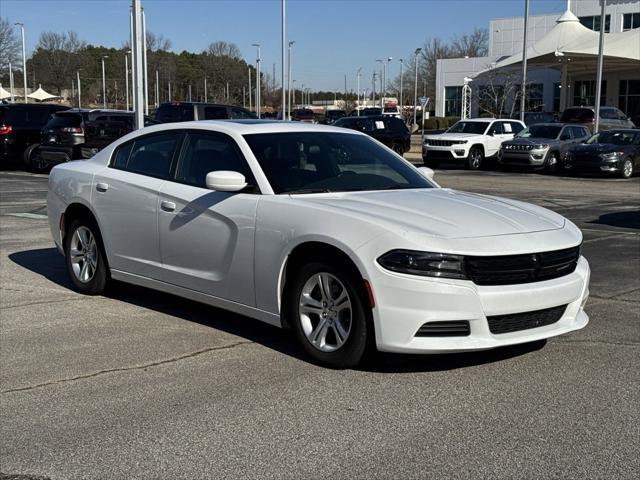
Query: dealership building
point(562, 51)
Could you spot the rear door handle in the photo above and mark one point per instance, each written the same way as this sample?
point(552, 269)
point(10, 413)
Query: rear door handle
point(102, 187)
point(167, 206)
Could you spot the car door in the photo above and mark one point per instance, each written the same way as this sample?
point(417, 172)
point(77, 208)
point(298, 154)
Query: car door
point(495, 137)
point(125, 198)
point(206, 236)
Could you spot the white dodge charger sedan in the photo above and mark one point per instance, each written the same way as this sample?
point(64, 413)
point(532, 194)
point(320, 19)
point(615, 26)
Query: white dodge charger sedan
point(319, 229)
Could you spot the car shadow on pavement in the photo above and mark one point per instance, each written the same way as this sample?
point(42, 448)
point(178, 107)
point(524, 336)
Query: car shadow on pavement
point(48, 263)
point(620, 219)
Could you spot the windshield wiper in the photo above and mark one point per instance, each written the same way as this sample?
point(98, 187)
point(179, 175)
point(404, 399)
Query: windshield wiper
point(309, 190)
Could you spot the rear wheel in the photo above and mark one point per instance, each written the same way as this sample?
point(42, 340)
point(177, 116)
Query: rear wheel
point(475, 158)
point(627, 168)
point(328, 315)
point(85, 257)
point(34, 161)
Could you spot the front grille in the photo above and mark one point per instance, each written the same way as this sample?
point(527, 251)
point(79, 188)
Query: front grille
point(517, 147)
point(514, 322)
point(527, 268)
point(443, 143)
point(456, 328)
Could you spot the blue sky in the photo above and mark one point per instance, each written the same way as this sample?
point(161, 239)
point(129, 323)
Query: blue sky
point(333, 37)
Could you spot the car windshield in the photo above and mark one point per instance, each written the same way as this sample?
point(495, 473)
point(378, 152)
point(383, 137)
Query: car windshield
point(371, 111)
point(314, 162)
point(469, 127)
point(540, 131)
point(612, 137)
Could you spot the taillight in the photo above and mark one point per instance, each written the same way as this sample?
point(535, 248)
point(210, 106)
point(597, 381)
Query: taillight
point(73, 130)
point(5, 129)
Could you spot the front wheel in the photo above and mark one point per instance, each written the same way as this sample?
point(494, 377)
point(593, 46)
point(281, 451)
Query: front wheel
point(627, 168)
point(85, 257)
point(475, 158)
point(552, 164)
point(328, 315)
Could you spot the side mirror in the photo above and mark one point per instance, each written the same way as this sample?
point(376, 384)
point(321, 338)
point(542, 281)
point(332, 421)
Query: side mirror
point(225, 181)
point(426, 172)
point(492, 133)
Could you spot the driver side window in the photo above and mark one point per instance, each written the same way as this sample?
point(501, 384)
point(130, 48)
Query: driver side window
point(205, 152)
point(496, 128)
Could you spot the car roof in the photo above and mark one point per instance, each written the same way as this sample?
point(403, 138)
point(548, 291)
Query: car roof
point(249, 126)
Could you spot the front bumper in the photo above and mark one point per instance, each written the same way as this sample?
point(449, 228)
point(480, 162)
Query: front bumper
point(532, 158)
point(453, 153)
point(405, 302)
point(593, 165)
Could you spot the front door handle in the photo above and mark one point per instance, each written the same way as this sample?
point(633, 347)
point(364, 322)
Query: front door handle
point(102, 187)
point(167, 206)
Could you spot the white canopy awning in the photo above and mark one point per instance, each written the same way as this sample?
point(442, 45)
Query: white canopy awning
point(3, 93)
point(572, 43)
point(40, 95)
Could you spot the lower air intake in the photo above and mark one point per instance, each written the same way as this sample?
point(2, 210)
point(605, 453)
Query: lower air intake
point(514, 322)
point(457, 328)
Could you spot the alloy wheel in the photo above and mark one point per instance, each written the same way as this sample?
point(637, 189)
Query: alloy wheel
point(325, 312)
point(476, 159)
point(84, 254)
point(627, 168)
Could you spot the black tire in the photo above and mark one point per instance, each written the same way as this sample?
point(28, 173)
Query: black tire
point(552, 164)
point(475, 158)
point(99, 280)
point(34, 161)
point(399, 149)
point(351, 352)
point(627, 169)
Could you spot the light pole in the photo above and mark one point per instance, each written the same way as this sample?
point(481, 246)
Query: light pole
point(415, 88)
point(258, 93)
point(358, 80)
point(205, 89)
point(126, 75)
point(104, 84)
point(524, 61)
point(401, 64)
point(24, 62)
point(79, 89)
point(11, 82)
point(291, 43)
point(302, 95)
point(293, 95)
point(157, 89)
point(384, 80)
point(250, 100)
point(381, 64)
point(283, 66)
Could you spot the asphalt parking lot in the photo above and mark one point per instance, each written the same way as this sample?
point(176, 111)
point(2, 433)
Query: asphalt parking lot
point(139, 384)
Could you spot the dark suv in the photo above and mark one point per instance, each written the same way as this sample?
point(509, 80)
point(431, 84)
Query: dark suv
point(610, 117)
point(188, 111)
point(332, 115)
point(388, 130)
point(79, 134)
point(20, 127)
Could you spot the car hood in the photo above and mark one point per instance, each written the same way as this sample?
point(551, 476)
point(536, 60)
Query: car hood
point(597, 148)
point(451, 136)
point(441, 212)
point(532, 141)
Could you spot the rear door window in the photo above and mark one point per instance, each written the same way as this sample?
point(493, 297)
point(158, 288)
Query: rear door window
point(515, 127)
point(149, 155)
point(175, 113)
point(64, 120)
point(239, 113)
point(496, 128)
point(215, 113)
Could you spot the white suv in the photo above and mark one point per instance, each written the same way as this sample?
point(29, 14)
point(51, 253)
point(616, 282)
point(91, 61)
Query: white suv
point(469, 141)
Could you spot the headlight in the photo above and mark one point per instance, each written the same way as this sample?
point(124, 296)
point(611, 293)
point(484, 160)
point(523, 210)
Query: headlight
point(541, 147)
point(611, 156)
point(461, 142)
point(426, 264)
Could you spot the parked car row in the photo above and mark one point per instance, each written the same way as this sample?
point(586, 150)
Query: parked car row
point(388, 130)
point(548, 146)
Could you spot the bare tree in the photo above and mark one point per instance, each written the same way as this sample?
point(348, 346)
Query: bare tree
point(497, 92)
point(9, 44)
point(157, 42)
point(221, 48)
point(475, 44)
point(56, 58)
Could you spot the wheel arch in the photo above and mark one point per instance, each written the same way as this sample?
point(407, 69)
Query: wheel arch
point(317, 250)
point(78, 209)
point(480, 146)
